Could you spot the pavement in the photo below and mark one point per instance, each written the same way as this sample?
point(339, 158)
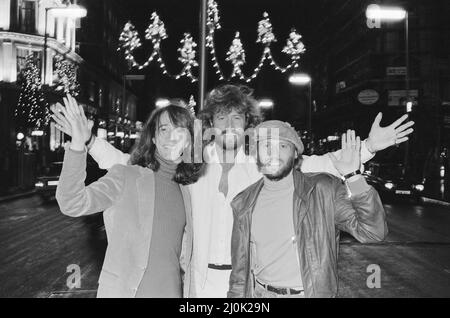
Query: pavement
point(38, 246)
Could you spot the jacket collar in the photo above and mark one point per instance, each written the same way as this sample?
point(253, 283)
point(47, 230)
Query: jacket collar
point(246, 200)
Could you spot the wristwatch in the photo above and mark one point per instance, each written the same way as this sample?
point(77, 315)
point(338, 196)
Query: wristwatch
point(348, 176)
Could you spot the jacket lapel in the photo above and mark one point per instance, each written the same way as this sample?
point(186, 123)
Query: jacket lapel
point(146, 200)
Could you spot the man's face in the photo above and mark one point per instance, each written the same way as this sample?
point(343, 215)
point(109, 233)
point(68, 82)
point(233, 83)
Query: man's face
point(275, 158)
point(170, 140)
point(231, 129)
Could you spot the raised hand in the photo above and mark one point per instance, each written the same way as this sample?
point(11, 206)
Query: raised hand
point(381, 138)
point(77, 123)
point(63, 125)
point(350, 156)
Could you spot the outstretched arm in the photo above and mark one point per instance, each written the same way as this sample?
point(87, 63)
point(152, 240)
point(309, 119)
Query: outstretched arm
point(379, 139)
point(74, 198)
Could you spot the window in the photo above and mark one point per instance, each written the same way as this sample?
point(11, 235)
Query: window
point(23, 53)
point(27, 16)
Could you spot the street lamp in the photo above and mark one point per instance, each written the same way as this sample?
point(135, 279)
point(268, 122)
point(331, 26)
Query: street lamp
point(382, 13)
point(71, 11)
point(301, 79)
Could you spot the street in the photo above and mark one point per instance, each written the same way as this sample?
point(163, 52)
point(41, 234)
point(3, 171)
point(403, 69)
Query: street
point(38, 243)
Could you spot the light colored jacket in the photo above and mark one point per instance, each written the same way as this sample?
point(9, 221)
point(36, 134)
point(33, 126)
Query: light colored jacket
point(126, 194)
point(202, 194)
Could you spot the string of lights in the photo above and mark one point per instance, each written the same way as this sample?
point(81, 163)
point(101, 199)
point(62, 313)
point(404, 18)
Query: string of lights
point(156, 33)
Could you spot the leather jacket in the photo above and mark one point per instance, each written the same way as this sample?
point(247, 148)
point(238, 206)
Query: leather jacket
point(322, 208)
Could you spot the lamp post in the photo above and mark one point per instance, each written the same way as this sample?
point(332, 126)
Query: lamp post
point(71, 11)
point(382, 13)
point(301, 79)
point(379, 13)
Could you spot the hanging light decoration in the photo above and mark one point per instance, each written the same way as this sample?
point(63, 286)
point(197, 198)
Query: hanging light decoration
point(156, 33)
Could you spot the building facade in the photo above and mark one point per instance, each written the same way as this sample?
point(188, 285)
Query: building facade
point(360, 71)
point(42, 30)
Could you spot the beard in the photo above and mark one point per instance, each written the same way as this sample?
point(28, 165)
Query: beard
point(280, 174)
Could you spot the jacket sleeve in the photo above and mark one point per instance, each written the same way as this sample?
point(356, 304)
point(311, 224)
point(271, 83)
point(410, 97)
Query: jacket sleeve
point(75, 199)
point(359, 211)
point(106, 155)
point(324, 164)
point(237, 277)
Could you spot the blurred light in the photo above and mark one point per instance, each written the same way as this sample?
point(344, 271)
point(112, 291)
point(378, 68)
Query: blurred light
point(368, 172)
point(37, 133)
point(375, 12)
point(299, 79)
point(442, 172)
point(162, 102)
point(389, 185)
point(133, 136)
point(20, 136)
point(409, 106)
point(71, 11)
point(111, 133)
point(39, 184)
point(419, 187)
point(120, 134)
point(332, 138)
point(265, 103)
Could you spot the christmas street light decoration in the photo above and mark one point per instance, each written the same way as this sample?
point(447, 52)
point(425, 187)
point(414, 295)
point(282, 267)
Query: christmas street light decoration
point(156, 33)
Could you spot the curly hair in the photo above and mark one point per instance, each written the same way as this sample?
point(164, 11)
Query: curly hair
point(229, 97)
point(144, 150)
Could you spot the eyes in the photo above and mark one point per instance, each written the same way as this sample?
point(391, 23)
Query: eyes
point(233, 118)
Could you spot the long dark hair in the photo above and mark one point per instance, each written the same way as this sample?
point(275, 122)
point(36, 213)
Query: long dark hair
point(144, 150)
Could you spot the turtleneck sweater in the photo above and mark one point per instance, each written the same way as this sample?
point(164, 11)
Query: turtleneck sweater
point(273, 236)
point(162, 277)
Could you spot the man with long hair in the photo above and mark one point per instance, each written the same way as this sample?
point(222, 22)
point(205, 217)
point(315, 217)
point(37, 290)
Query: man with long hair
point(146, 204)
point(229, 111)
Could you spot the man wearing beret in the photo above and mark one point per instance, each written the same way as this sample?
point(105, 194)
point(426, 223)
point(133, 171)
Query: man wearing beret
point(286, 227)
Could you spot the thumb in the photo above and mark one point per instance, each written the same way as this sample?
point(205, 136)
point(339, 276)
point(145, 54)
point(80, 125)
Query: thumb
point(333, 157)
point(377, 121)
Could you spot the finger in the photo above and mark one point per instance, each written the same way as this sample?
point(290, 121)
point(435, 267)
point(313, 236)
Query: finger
point(404, 127)
point(358, 144)
point(405, 133)
point(349, 139)
point(333, 157)
point(82, 114)
point(75, 105)
point(353, 138)
point(401, 140)
point(68, 109)
point(63, 129)
point(377, 121)
point(399, 121)
point(66, 113)
point(60, 120)
point(344, 141)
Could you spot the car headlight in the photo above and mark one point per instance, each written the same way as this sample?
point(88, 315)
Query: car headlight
point(419, 187)
point(389, 185)
point(39, 184)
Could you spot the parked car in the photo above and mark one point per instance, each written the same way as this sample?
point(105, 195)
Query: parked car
point(46, 184)
point(392, 184)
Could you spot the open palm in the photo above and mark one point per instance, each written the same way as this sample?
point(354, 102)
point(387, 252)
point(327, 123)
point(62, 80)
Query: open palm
point(350, 155)
point(381, 138)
